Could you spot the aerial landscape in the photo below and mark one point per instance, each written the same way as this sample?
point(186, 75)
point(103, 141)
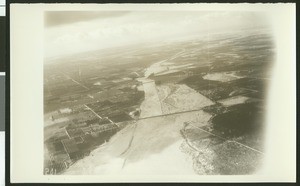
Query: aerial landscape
point(193, 105)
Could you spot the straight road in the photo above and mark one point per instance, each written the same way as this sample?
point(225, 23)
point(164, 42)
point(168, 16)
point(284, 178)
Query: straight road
point(67, 76)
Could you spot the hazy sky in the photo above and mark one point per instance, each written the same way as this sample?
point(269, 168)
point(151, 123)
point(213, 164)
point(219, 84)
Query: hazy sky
point(72, 32)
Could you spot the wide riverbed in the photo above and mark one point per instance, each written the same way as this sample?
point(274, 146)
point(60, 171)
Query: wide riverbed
point(151, 145)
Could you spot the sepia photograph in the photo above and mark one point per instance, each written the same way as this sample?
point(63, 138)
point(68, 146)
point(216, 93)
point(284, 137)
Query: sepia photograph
point(152, 93)
point(133, 92)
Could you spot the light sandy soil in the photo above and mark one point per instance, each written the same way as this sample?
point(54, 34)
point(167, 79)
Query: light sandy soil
point(178, 98)
point(171, 68)
point(164, 66)
point(234, 100)
point(156, 68)
point(222, 76)
point(151, 105)
point(170, 161)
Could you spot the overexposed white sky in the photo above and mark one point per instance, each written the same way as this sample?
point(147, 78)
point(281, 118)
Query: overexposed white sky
point(67, 33)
